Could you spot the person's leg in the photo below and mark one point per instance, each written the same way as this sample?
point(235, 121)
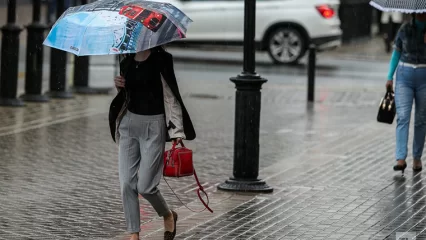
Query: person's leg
point(151, 168)
point(129, 159)
point(152, 144)
point(404, 95)
point(420, 114)
point(387, 36)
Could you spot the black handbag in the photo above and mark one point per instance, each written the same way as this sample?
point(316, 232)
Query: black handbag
point(387, 108)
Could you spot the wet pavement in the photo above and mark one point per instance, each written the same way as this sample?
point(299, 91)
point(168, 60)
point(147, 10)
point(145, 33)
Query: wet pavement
point(330, 71)
point(372, 49)
point(330, 165)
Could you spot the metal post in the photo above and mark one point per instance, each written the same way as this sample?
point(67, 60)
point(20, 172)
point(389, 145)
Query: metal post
point(247, 116)
point(81, 78)
point(10, 59)
point(48, 5)
point(311, 73)
point(116, 65)
point(51, 10)
point(58, 66)
point(34, 60)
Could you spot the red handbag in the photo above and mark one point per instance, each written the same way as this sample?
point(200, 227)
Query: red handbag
point(178, 163)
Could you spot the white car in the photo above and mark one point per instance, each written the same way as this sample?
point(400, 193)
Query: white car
point(284, 28)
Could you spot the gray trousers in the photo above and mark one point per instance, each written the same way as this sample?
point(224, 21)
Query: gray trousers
point(141, 148)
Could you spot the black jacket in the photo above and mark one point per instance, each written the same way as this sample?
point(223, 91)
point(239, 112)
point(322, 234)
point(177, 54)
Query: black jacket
point(119, 103)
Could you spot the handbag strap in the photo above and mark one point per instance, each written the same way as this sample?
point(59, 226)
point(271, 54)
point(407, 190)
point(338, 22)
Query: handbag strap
point(175, 144)
point(199, 190)
point(389, 91)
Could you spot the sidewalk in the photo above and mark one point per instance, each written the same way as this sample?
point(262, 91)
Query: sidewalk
point(371, 50)
point(331, 166)
point(331, 169)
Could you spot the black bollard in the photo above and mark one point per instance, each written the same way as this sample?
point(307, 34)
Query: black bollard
point(247, 116)
point(311, 73)
point(34, 61)
point(81, 78)
point(58, 66)
point(116, 65)
point(48, 5)
point(10, 59)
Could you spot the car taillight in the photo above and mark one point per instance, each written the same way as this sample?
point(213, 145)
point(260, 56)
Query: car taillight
point(326, 11)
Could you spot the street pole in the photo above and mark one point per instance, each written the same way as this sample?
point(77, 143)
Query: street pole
point(34, 60)
point(81, 78)
point(311, 73)
point(247, 116)
point(49, 9)
point(10, 59)
point(58, 65)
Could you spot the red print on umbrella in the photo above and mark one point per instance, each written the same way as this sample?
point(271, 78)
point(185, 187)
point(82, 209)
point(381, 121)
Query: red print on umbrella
point(151, 20)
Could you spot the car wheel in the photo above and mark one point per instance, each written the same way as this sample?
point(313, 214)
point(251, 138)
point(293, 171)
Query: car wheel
point(286, 45)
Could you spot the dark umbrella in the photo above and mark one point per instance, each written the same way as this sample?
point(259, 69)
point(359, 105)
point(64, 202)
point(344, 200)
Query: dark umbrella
point(404, 6)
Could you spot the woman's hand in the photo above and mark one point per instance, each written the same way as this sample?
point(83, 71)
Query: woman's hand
point(389, 85)
point(176, 141)
point(119, 82)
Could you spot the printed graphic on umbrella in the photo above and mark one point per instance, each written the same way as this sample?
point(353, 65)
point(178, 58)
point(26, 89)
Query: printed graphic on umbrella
point(116, 27)
point(404, 6)
point(151, 20)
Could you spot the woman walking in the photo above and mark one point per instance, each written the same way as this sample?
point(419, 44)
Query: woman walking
point(147, 112)
point(409, 56)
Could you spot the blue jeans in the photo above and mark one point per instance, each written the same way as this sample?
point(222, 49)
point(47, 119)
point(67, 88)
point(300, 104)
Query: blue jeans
point(410, 86)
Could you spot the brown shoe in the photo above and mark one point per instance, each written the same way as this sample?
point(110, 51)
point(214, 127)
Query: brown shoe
point(417, 165)
point(171, 235)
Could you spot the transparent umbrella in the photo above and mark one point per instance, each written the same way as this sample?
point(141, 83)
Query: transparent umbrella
point(117, 27)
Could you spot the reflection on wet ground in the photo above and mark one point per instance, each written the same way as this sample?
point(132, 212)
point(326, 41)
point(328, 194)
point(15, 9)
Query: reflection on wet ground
point(330, 166)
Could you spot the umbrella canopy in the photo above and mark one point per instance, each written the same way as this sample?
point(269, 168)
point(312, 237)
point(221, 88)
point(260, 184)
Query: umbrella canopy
point(116, 27)
point(404, 6)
